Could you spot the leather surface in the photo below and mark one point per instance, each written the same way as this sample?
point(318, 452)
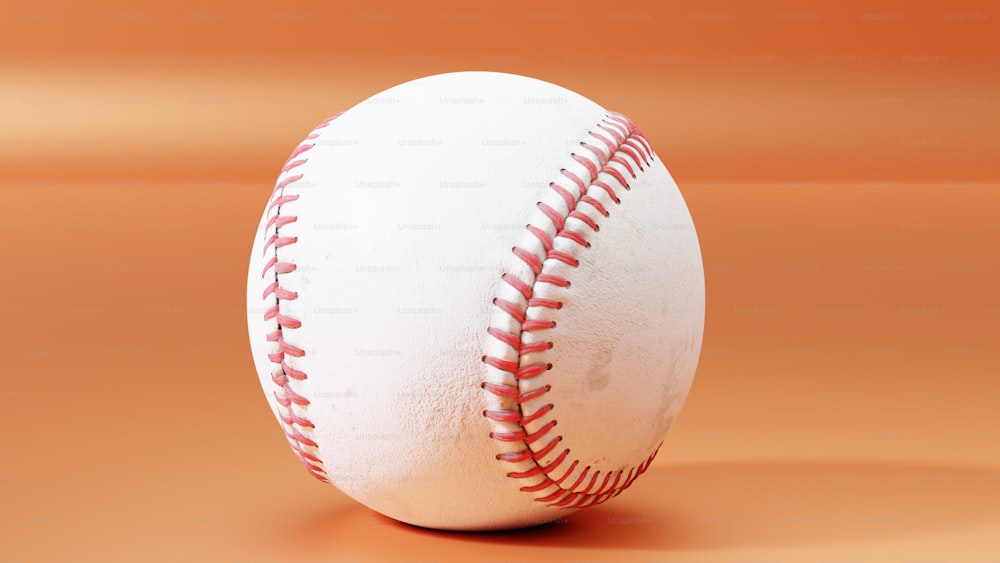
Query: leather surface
point(409, 206)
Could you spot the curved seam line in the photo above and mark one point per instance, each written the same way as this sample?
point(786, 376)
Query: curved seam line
point(280, 376)
point(562, 497)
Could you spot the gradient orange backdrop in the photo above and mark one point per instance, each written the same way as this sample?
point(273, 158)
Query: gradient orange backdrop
point(841, 161)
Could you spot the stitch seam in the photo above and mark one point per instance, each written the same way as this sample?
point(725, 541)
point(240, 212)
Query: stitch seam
point(619, 149)
point(292, 407)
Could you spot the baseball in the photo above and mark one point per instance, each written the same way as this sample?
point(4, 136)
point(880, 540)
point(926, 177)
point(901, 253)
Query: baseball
point(476, 302)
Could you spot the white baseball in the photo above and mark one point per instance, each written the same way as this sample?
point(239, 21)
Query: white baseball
point(476, 301)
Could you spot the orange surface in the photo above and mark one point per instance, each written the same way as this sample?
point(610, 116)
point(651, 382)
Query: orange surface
point(841, 161)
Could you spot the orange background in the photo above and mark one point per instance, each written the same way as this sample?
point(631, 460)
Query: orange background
point(841, 161)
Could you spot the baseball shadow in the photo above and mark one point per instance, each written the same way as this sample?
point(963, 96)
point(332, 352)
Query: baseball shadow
point(726, 505)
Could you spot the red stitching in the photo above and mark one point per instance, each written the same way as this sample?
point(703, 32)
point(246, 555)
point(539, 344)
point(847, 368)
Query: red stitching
point(627, 149)
point(296, 425)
